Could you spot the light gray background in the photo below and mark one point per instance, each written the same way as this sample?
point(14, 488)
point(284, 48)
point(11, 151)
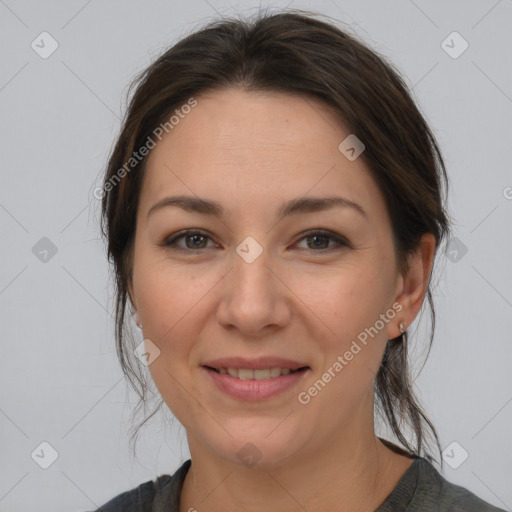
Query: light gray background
point(60, 381)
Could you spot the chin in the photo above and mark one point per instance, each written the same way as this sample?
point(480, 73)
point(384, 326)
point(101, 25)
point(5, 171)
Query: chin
point(255, 448)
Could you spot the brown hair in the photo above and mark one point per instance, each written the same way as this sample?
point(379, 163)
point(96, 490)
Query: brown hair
point(295, 53)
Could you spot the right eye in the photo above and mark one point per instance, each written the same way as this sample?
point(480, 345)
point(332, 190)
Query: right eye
point(194, 240)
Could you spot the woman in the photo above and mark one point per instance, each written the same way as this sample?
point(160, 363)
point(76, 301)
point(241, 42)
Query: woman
point(272, 209)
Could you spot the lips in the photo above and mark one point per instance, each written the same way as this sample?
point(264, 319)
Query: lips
point(248, 374)
point(254, 389)
point(261, 363)
point(255, 379)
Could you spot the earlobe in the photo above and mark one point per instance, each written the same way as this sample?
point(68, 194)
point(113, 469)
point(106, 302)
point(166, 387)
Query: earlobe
point(396, 329)
point(136, 318)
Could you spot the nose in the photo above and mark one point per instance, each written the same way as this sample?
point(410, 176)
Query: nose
point(255, 298)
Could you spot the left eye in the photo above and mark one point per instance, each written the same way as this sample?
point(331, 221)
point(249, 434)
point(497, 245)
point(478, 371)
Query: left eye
point(321, 240)
point(317, 241)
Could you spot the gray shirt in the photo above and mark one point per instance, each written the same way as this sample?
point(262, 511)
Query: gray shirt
point(421, 489)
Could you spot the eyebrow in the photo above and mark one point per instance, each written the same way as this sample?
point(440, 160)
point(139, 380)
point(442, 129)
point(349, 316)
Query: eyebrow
point(300, 205)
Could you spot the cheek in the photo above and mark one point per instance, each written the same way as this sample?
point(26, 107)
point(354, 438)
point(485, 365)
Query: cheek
point(343, 300)
point(349, 304)
point(345, 306)
point(168, 292)
point(173, 303)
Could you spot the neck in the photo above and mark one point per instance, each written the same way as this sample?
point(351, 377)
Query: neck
point(351, 472)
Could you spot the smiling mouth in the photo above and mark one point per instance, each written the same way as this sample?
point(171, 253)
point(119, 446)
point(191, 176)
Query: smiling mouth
point(262, 374)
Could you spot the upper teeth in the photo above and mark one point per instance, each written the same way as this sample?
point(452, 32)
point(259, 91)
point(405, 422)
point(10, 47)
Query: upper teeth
point(247, 374)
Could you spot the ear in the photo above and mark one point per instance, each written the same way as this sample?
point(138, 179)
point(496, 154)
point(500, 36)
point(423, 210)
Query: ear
point(412, 287)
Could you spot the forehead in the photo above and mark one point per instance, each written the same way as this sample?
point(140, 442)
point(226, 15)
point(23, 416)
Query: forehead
point(252, 149)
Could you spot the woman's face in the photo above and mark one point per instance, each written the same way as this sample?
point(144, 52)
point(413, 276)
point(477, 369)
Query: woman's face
point(265, 277)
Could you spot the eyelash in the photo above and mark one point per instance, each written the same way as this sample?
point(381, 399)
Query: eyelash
point(170, 243)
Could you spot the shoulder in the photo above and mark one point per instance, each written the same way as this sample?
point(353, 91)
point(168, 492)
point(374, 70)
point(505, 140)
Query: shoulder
point(443, 495)
point(139, 499)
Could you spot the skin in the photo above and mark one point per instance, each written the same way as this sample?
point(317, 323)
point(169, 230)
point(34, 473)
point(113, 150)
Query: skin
point(251, 152)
